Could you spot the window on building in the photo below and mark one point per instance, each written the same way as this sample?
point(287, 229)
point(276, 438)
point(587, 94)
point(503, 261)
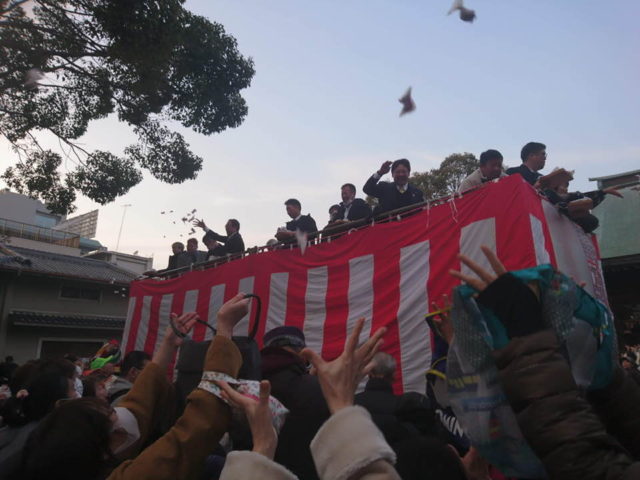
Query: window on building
point(46, 220)
point(80, 293)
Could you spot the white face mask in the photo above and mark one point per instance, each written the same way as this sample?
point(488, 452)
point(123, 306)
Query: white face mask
point(126, 423)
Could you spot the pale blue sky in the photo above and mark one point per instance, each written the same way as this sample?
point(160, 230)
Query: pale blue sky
point(323, 104)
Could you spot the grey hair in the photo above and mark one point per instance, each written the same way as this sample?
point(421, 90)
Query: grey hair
point(384, 366)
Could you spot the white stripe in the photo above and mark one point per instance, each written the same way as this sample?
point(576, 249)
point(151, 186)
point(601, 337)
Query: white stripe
point(361, 299)
point(415, 349)
point(315, 312)
point(472, 237)
point(570, 256)
point(539, 244)
point(216, 300)
point(360, 294)
point(143, 329)
point(242, 327)
point(127, 325)
point(277, 300)
point(163, 317)
point(190, 301)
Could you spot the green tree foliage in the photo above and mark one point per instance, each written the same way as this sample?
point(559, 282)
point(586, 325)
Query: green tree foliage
point(442, 181)
point(150, 62)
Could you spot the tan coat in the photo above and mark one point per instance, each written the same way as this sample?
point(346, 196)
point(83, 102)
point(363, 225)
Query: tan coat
point(181, 452)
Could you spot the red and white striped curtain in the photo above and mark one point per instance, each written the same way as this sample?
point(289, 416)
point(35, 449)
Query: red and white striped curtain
point(387, 273)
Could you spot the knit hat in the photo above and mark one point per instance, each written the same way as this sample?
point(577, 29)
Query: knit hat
point(286, 336)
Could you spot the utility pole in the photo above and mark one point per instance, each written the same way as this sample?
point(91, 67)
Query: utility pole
point(124, 211)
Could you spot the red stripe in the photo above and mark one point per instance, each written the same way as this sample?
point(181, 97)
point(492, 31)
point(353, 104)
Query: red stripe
point(337, 311)
point(152, 331)
point(386, 301)
point(134, 324)
point(296, 291)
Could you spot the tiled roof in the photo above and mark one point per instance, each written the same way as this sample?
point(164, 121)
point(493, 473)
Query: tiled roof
point(56, 264)
point(43, 319)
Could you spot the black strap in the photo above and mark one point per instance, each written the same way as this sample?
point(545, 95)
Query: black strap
point(256, 320)
point(252, 334)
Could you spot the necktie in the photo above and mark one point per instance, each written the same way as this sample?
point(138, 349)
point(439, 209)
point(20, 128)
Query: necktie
point(401, 189)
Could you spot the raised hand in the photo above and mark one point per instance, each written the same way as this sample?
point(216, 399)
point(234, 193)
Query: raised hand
point(183, 324)
point(231, 313)
point(199, 223)
point(173, 339)
point(613, 191)
point(340, 377)
point(484, 278)
point(386, 166)
point(265, 439)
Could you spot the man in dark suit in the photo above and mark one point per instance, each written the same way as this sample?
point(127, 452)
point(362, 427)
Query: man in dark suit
point(534, 156)
point(351, 208)
point(304, 223)
point(214, 249)
point(233, 242)
point(192, 255)
point(393, 195)
point(178, 251)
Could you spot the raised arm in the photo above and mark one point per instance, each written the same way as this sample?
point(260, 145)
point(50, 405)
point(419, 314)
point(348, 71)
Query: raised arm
point(181, 452)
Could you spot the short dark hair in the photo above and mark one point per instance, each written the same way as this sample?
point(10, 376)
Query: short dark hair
point(71, 442)
point(402, 161)
point(334, 207)
point(192, 240)
point(208, 237)
point(180, 244)
point(294, 202)
point(350, 186)
point(133, 359)
point(235, 223)
point(490, 155)
point(530, 148)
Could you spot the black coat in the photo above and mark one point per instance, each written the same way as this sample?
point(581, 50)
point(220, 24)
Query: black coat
point(302, 395)
point(232, 244)
point(529, 176)
point(397, 416)
point(359, 209)
point(305, 223)
point(389, 198)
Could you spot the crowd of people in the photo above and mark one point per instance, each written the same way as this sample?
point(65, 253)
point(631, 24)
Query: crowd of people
point(119, 417)
point(300, 416)
point(395, 195)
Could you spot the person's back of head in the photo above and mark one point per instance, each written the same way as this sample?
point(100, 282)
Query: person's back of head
point(133, 363)
point(71, 442)
point(285, 337)
point(36, 389)
point(428, 458)
point(384, 367)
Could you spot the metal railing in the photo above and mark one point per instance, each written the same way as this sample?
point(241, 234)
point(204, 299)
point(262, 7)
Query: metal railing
point(27, 231)
point(327, 234)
